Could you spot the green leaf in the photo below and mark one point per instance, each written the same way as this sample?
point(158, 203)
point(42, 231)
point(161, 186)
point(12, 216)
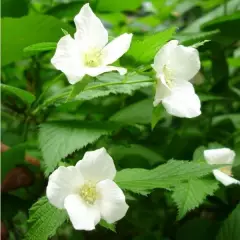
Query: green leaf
point(19, 33)
point(60, 138)
point(158, 113)
point(164, 176)
point(225, 24)
point(108, 226)
point(152, 43)
point(232, 6)
point(118, 6)
point(11, 158)
point(198, 154)
point(130, 151)
point(40, 47)
point(190, 39)
point(235, 118)
point(44, 220)
point(191, 194)
point(13, 8)
point(230, 229)
point(25, 96)
point(139, 112)
point(113, 83)
point(66, 10)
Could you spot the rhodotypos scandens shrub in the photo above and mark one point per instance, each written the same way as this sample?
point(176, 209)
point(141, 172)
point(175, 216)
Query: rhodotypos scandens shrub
point(120, 120)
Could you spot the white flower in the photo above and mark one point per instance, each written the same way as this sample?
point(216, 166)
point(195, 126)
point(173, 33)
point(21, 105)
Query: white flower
point(87, 191)
point(87, 53)
point(222, 156)
point(175, 65)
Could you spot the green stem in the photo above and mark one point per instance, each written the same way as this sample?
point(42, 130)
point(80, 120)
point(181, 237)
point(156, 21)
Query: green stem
point(116, 83)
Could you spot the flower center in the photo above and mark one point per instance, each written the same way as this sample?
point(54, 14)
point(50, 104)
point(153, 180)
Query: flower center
point(88, 192)
point(168, 76)
point(227, 170)
point(93, 58)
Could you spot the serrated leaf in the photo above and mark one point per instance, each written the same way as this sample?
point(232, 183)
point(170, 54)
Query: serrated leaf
point(230, 229)
point(25, 96)
point(191, 194)
point(44, 220)
point(139, 112)
point(109, 226)
point(60, 138)
point(40, 47)
point(152, 43)
point(113, 83)
point(164, 176)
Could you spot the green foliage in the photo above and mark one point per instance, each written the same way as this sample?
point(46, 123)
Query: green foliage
point(25, 96)
point(133, 113)
point(12, 8)
point(108, 226)
point(59, 122)
point(61, 138)
point(230, 228)
point(118, 6)
point(21, 32)
point(164, 176)
point(191, 194)
point(113, 83)
point(152, 43)
point(44, 220)
point(119, 152)
point(40, 47)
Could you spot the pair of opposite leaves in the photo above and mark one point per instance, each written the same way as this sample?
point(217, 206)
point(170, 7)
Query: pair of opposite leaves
point(89, 53)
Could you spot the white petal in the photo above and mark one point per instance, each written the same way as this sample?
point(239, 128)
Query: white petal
point(161, 92)
point(112, 202)
point(116, 48)
point(99, 70)
point(162, 56)
point(90, 31)
point(219, 156)
point(224, 178)
point(184, 63)
point(83, 216)
point(62, 182)
point(183, 102)
point(97, 165)
point(67, 58)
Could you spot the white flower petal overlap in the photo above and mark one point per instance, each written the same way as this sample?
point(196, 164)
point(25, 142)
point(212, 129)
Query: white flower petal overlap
point(175, 66)
point(222, 156)
point(88, 52)
point(87, 191)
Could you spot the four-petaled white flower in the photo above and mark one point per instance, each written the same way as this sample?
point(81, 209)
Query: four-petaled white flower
point(87, 53)
point(222, 156)
point(87, 191)
point(175, 65)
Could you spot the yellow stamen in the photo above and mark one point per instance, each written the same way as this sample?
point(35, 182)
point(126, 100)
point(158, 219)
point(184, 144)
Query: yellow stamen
point(88, 192)
point(227, 170)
